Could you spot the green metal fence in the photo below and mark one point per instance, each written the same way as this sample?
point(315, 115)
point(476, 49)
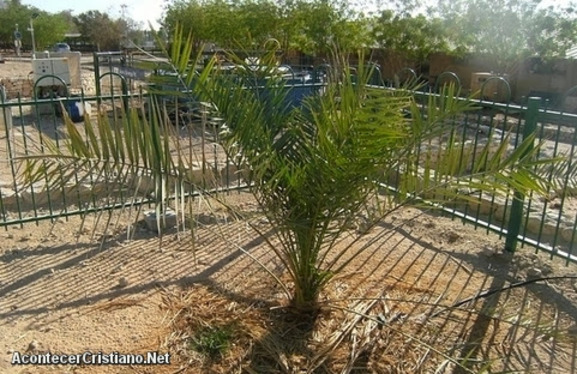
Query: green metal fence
point(27, 123)
point(546, 224)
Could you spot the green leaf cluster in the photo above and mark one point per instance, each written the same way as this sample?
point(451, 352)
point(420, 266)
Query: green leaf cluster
point(48, 28)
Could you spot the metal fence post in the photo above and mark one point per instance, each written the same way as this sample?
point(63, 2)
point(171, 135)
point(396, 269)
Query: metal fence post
point(96, 62)
point(516, 214)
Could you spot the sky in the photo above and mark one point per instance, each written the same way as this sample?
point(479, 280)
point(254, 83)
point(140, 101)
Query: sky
point(139, 10)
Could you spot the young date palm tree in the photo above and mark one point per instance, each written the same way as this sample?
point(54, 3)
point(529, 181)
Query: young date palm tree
point(314, 167)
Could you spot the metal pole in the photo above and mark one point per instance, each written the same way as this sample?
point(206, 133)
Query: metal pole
point(17, 41)
point(515, 217)
point(33, 41)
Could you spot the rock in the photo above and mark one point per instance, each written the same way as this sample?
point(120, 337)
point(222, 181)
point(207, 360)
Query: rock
point(32, 346)
point(483, 206)
point(9, 197)
point(452, 236)
point(168, 221)
point(123, 282)
point(499, 213)
point(534, 223)
point(533, 273)
point(546, 269)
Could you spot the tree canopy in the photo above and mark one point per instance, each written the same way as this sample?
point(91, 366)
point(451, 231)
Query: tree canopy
point(507, 30)
point(48, 28)
point(415, 36)
point(107, 33)
point(310, 26)
point(99, 29)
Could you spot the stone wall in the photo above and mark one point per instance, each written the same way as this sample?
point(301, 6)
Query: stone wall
point(18, 86)
point(23, 86)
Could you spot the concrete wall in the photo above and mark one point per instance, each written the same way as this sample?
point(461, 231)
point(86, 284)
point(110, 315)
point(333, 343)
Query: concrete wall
point(532, 77)
point(550, 79)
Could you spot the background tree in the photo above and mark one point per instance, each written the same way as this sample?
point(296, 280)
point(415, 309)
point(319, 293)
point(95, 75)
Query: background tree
point(414, 36)
point(313, 27)
point(69, 17)
point(321, 24)
point(192, 17)
point(508, 30)
point(258, 21)
point(11, 14)
point(239, 25)
point(99, 29)
point(132, 32)
point(49, 28)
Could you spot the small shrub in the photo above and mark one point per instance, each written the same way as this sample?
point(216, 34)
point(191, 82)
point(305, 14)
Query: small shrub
point(212, 341)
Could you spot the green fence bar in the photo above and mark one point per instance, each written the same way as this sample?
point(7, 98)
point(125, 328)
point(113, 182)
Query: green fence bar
point(505, 216)
point(516, 213)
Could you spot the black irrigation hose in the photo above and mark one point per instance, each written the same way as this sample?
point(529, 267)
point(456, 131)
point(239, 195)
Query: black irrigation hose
point(490, 292)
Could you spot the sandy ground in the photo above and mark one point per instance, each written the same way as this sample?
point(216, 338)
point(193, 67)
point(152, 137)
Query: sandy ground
point(15, 69)
point(65, 290)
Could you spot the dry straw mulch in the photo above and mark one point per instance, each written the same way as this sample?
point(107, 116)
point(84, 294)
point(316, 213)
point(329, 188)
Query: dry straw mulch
point(393, 311)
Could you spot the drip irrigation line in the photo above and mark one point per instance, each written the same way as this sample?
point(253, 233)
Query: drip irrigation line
point(490, 292)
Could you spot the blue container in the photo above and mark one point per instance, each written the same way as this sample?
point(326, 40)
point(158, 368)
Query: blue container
point(75, 110)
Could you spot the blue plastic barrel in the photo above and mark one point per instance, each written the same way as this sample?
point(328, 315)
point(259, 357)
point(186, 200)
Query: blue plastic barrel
point(75, 110)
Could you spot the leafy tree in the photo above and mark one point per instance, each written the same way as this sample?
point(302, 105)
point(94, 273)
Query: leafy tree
point(132, 33)
point(69, 17)
point(48, 28)
point(508, 30)
point(414, 36)
point(258, 21)
point(99, 29)
point(182, 12)
point(320, 25)
point(313, 27)
point(246, 24)
point(11, 15)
